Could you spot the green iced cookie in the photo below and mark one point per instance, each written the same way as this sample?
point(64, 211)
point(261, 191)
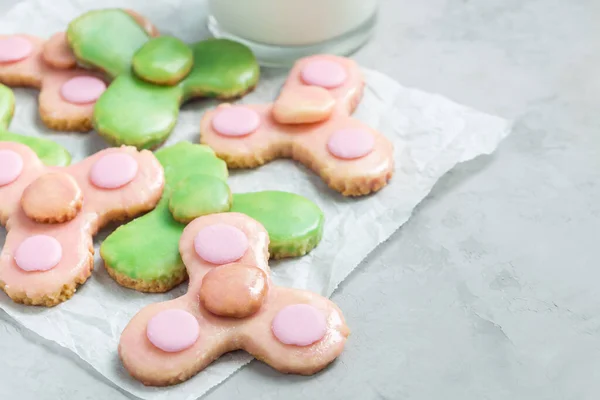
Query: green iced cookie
point(144, 254)
point(164, 60)
point(49, 152)
point(134, 110)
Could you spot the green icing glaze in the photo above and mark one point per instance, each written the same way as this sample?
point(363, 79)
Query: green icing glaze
point(147, 248)
point(164, 60)
point(106, 39)
point(49, 152)
point(136, 113)
point(294, 223)
point(222, 68)
point(199, 195)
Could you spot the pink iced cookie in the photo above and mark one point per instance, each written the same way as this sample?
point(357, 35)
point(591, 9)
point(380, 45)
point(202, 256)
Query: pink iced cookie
point(46, 255)
point(235, 306)
point(311, 122)
point(64, 103)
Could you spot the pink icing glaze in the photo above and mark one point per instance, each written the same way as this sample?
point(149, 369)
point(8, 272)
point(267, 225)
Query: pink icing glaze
point(299, 325)
point(349, 144)
point(113, 171)
point(11, 166)
point(151, 365)
point(38, 253)
point(14, 48)
point(99, 208)
point(236, 121)
point(82, 89)
point(221, 244)
point(173, 330)
point(325, 73)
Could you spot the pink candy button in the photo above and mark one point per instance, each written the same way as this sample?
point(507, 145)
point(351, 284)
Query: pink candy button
point(221, 244)
point(14, 48)
point(349, 144)
point(299, 325)
point(11, 166)
point(236, 121)
point(38, 253)
point(82, 89)
point(113, 171)
point(324, 73)
point(173, 330)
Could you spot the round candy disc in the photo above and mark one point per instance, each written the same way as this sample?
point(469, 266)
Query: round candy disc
point(173, 330)
point(54, 197)
point(236, 121)
point(164, 60)
point(82, 89)
point(113, 171)
point(324, 73)
point(11, 166)
point(38, 253)
point(349, 144)
point(14, 48)
point(299, 325)
point(221, 244)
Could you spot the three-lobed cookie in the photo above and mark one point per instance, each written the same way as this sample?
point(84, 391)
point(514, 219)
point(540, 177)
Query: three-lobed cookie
point(196, 185)
point(51, 215)
point(310, 122)
point(152, 76)
point(231, 304)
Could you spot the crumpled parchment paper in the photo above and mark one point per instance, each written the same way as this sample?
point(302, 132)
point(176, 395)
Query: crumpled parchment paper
point(431, 134)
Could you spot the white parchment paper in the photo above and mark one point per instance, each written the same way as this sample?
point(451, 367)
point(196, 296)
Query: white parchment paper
point(431, 134)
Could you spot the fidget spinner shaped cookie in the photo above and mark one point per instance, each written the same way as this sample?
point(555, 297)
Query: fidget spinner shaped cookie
point(196, 185)
point(51, 214)
point(48, 152)
point(152, 77)
point(67, 93)
point(231, 304)
point(310, 122)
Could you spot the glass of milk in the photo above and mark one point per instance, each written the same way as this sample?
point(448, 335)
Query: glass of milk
point(281, 31)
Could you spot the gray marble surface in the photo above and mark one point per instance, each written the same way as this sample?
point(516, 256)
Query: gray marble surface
point(490, 290)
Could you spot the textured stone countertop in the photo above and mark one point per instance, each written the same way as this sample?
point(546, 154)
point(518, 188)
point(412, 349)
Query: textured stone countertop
point(490, 291)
